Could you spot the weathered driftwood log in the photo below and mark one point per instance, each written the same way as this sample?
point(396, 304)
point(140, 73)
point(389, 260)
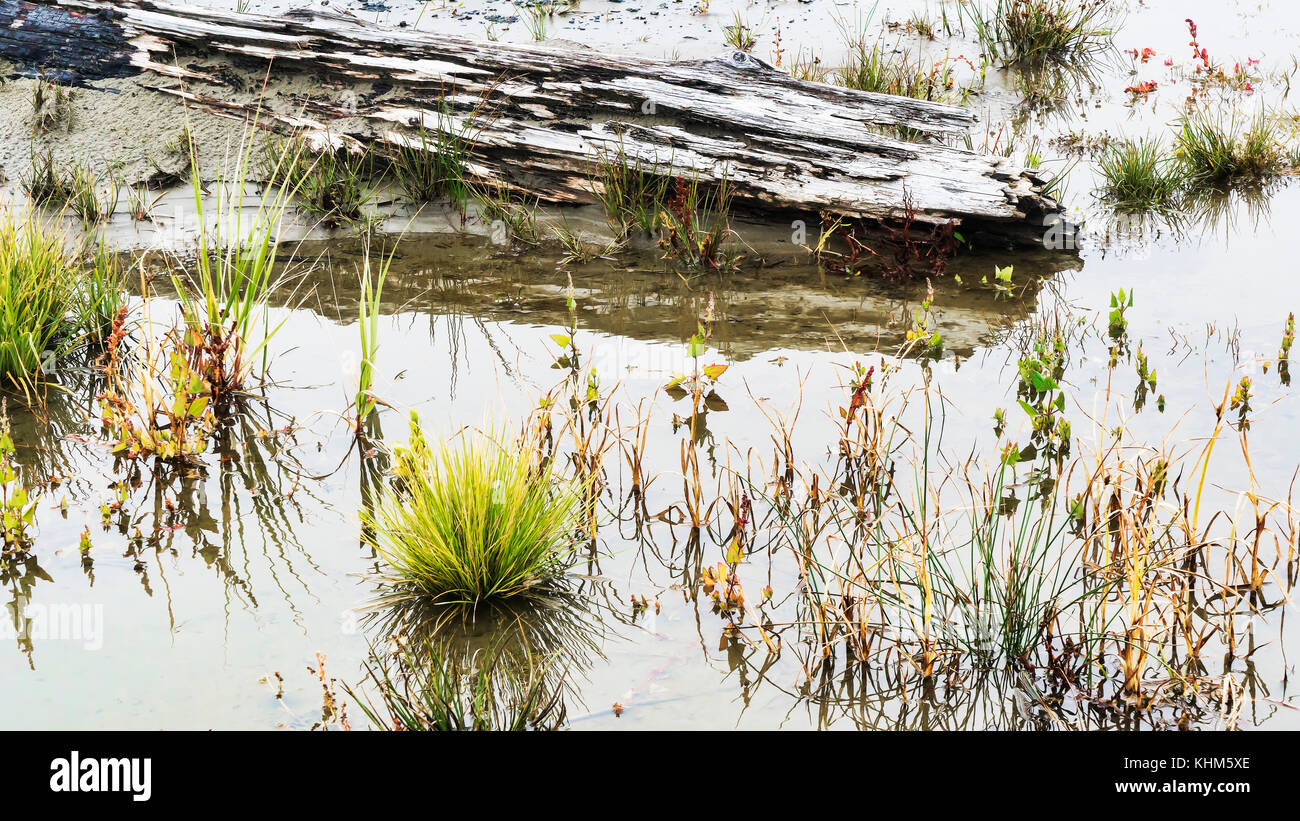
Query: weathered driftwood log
point(542, 117)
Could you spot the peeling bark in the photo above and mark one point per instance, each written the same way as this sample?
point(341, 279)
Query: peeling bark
point(544, 116)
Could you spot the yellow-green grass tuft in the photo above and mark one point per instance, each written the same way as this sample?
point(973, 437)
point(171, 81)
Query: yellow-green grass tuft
point(473, 519)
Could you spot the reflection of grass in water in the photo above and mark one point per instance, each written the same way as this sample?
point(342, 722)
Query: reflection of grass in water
point(263, 465)
point(1049, 87)
point(258, 480)
point(163, 507)
point(1189, 216)
point(1088, 586)
point(426, 689)
point(557, 623)
point(869, 698)
point(493, 667)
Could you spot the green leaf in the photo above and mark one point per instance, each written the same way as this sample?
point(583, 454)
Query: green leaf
point(696, 347)
point(1043, 383)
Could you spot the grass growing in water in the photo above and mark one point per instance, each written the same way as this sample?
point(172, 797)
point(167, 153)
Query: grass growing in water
point(695, 225)
point(224, 298)
point(1209, 154)
point(881, 70)
point(1139, 173)
point(513, 215)
point(101, 293)
point(1026, 31)
point(37, 294)
point(372, 291)
point(473, 520)
point(1214, 152)
point(155, 402)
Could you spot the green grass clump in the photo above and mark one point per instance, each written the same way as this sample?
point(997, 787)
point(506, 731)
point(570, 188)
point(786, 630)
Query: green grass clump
point(1214, 152)
point(740, 34)
point(75, 187)
point(101, 293)
point(331, 183)
point(473, 520)
point(43, 182)
point(1210, 154)
point(1139, 173)
point(38, 291)
point(512, 214)
point(631, 190)
point(1026, 31)
point(434, 167)
point(884, 71)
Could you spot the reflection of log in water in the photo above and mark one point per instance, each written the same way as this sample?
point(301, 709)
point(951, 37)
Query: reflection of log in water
point(792, 306)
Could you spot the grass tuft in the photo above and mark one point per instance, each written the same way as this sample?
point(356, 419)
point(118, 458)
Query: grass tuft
point(76, 187)
point(330, 183)
point(1028, 31)
point(1214, 152)
point(631, 190)
point(740, 34)
point(1139, 173)
point(473, 520)
point(224, 296)
point(872, 67)
point(433, 165)
point(37, 294)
